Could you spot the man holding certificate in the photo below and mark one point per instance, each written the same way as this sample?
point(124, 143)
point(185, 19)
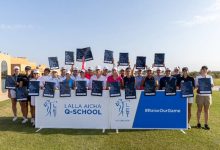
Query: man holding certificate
point(183, 79)
point(204, 83)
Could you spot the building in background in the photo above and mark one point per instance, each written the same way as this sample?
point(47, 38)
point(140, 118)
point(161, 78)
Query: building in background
point(7, 64)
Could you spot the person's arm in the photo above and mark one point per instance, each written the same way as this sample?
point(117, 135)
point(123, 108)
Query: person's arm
point(143, 82)
point(71, 69)
point(122, 84)
point(132, 70)
point(212, 82)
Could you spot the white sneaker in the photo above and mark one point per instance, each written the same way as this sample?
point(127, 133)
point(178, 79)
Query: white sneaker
point(189, 127)
point(15, 118)
point(24, 121)
point(32, 120)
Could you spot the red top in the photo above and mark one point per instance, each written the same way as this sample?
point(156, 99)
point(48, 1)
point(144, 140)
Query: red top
point(88, 76)
point(111, 79)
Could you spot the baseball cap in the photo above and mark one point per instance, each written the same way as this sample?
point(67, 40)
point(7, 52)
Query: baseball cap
point(16, 68)
point(83, 70)
point(90, 68)
point(27, 68)
point(75, 68)
point(158, 69)
point(54, 70)
point(63, 68)
point(98, 68)
point(168, 69)
point(149, 69)
point(36, 71)
point(185, 69)
point(68, 72)
point(176, 68)
point(105, 68)
point(115, 68)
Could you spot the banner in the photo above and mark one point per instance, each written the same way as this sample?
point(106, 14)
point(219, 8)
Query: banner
point(104, 112)
point(72, 112)
point(149, 112)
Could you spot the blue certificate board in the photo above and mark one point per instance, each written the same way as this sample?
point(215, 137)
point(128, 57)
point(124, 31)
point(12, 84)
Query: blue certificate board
point(49, 89)
point(205, 86)
point(97, 87)
point(10, 82)
point(115, 89)
point(65, 90)
point(159, 59)
point(123, 59)
point(150, 88)
point(187, 89)
point(170, 88)
point(21, 93)
point(140, 62)
point(53, 62)
point(84, 52)
point(69, 57)
point(108, 57)
point(34, 88)
point(130, 91)
point(81, 89)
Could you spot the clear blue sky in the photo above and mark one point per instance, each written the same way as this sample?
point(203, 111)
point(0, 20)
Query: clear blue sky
point(187, 31)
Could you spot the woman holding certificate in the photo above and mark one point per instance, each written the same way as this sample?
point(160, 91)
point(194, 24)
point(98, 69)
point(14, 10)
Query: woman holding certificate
point(183, 79)
point(12, 92)
point(204, 84)
point(115, 77)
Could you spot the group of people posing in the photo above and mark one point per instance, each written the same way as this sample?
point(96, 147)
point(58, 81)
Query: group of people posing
point(123, 76)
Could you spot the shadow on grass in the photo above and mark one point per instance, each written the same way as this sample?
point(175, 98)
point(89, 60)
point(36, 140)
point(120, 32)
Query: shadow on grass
point(6, 124)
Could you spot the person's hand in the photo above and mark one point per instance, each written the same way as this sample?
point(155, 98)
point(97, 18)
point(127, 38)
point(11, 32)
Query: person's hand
point(153, 65)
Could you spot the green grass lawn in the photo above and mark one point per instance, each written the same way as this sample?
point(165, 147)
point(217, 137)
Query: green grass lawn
point(217, 82)
point(17, 136)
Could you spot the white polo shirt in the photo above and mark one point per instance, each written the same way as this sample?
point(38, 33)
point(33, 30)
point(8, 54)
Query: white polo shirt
point(197, 83)
point(101, 78)
point(43, 79)
point(83, 79)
